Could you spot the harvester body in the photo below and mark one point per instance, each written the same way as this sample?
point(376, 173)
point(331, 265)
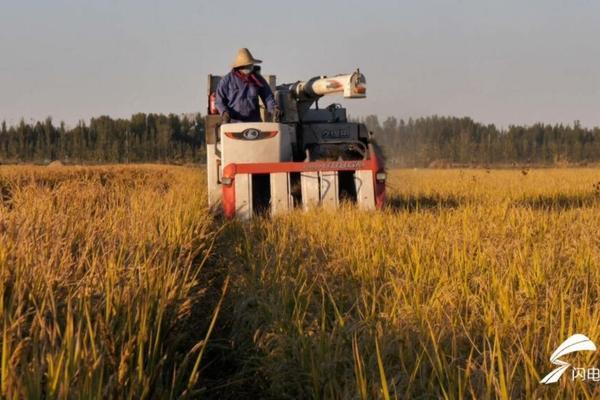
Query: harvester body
point(312, 157)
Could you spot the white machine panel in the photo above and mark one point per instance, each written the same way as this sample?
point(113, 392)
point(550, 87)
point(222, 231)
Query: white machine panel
point(365, 192)
point(281, 200)
point(243, 196)
point(256, 142)
point(329, 189)
point(309, 182)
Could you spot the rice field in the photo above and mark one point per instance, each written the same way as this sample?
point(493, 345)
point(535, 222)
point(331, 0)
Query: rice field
point(117, 282)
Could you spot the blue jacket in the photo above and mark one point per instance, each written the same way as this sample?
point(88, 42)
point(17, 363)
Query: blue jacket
point(240, 99)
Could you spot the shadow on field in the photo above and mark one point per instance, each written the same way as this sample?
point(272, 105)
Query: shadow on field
point(422, 202)
point(558, 202)
point(232, 369)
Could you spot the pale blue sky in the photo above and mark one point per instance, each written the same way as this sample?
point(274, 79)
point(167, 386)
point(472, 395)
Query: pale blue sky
point(504, 61)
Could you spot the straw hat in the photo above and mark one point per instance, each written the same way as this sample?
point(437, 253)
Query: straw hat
point(243, 58)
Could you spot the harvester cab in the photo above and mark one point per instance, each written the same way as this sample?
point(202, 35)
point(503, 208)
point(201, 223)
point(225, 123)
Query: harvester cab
point(313, 156)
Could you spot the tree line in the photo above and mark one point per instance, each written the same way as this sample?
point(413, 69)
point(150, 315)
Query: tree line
point(422, 142)
point(446, 141)
point(141, 138)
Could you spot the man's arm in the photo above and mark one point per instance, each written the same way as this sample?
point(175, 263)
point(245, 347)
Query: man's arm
point(266, 94)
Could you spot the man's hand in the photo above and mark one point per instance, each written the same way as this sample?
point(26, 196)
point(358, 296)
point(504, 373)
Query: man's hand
point(225, 118)
point(277, 114)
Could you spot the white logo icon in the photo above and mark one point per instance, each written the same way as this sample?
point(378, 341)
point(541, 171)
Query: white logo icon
point(577, 342)
point(251, 134)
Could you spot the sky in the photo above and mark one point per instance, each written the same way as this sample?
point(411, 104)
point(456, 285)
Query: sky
point(503, 62)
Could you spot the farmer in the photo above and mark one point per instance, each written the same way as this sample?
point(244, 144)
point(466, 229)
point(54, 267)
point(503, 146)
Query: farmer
point(239, 90)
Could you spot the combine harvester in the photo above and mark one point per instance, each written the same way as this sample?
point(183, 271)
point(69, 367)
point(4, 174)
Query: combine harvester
point(313, 156)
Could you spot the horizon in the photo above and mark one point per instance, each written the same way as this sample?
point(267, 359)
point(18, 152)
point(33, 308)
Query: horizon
point(380, 119)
